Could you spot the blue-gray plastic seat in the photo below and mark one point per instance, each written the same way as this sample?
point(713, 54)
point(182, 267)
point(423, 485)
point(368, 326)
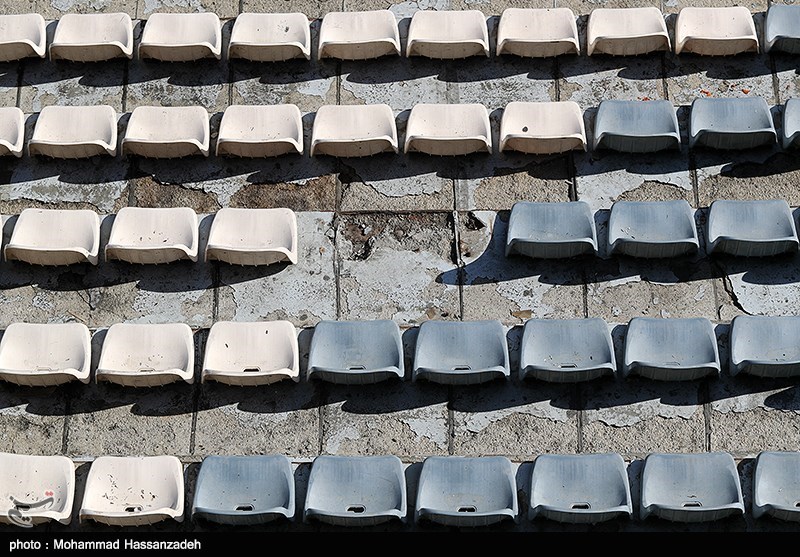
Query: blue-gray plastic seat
point(466, 491)
point(671, 349)
point(566, 350)
point(356, 490)
point(652, 229)
point(776, 485)
point(790, 131)
point(765, 346)
point(636, 126)
point(759, 228)
point(580, 488)
point(734, 123)
point(244, 490)
point(356, 352)
point(551, 230)
point(782, 29)
point(461, 352)
point(690, 487)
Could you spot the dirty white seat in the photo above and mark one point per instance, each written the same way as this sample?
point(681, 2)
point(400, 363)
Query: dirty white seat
point(153, 235)
point(251, 353)
point(652, 229)
point(44, 354)
point(782, 29)
point(448, 34)
point(765, 346)
point(776, 491)
point(718, 31)
point(542, 128)
point(92, 37)
point(537, 32)
point(12, 131)
point(636, 126)
point(167, 132)
point(73, 132)
point(36, 489)
point(551, 230)
point(147, 355)
point(752, 228)
point(55, 237)
point(22, 36)
point(181, 37)
point(270, 37)
point(243, 236)
point(260, 131)
point(358, 35)
point(790, 130)
point(626, 31)
point(133, 490)
point(448, 129)
point(731, 123)
point(354, 130)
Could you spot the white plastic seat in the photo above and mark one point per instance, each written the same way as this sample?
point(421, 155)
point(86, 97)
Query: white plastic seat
point(652, 229)
point(12, 131)
point(270, 37)
point(146, 354)
point(537, 32)
point(22, 36)
point(754, 228)
point(74, 132)
point(167, 132)
point(448, 34)
point(448, 129)
point(718, 31)
point(731, 123)
point(92, 37)
point(790, 130)
point(765, 346)
point(133, 490)
point(776, 489)
point(153, 235)
point(36, 489)
point(626, 31)
point(551, 230)
point(260, 131)
point(254, 353)
point(358, 35)
point(45, 354)
point(181, 37)
point(782, 29)
point(542, 128)
point(242, 236)
point(636, 126)
point(55, 237)
point(354, 130)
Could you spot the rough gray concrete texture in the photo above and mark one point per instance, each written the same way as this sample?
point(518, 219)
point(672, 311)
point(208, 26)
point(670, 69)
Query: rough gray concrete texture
point(409, 238)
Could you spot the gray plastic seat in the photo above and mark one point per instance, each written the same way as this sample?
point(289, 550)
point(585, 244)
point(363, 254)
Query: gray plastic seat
point(461, 352)
point(636, 126)
point(566, 350)
point(751, 228)
point(356, 490)
point(790, 130)
point(776, 485)
point(551, 230)
point(580, 488)
point(735, 123)
point(356, 352)
point(690, 487)
point(466, 491)
point(674, 349)
point(765, 346)
point(244, 490)
point(782, 29)
point(652, 229)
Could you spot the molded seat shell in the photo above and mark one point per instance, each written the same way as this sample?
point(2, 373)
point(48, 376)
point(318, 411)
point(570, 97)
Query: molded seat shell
point(690, 487)
point(537, 32)
point(715, 31)
point(626, 31)
point(542, 128)
point(75, 132)
point(167, 132)
point(448, 129)
point(671, 349)
point(580, 488)
point(251, 353)
point(242, 236)
point(244, 490)
point(22, 36)
point(765, 346)
point(356, 490)
point(36, 489)
point(776, 489)
point(448, 34)
point(92, 37)
point(790, 130)
point(270, 37)
point(732, 123)
point(636, 126)
point(153, 235)
point(356, 352)
point(782, 29)
point(354, 130)
point(652, 229)
point(760, 228)
point(466, 491)
point(461, 352)
point(133, 490)
point(174, 37)
point(551, 230)
point(260, 131)
point(55, 237)
point(45, 354)
point(12, 131)
point(566, 350)
point(147, 354)
point(358, 35)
